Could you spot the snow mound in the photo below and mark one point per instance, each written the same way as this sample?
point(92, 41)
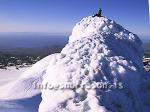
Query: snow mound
point(99, 52)
point(24, 86)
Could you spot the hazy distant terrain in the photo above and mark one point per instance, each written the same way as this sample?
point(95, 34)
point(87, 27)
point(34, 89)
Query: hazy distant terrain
point(30, 44)
point(147, 48)
point(23, 49)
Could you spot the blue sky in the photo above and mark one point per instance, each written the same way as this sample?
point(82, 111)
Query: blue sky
point(59, 16)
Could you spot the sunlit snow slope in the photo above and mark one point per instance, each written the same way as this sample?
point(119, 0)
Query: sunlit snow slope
point(24, 86)
point(99, 50)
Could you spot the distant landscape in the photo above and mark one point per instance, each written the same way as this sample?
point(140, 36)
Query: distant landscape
point(19, 49)
point(146, 47)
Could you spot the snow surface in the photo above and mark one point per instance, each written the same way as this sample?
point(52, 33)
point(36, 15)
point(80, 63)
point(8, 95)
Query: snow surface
point(98, 50)
point(24, 85)
point(10, 74)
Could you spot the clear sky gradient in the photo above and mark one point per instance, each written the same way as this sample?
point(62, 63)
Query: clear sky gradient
point(59, 16)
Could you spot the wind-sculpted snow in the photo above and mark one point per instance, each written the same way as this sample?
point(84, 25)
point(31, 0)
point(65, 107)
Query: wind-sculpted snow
point(24, 86)
point(99, 52)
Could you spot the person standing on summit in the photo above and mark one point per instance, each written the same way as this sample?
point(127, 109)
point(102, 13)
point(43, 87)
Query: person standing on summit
point(99, 13)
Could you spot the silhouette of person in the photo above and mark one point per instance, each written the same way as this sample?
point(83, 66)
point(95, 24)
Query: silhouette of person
point(99, 13)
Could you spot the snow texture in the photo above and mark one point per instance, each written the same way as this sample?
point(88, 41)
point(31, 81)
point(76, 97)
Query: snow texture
point(24, 85)
point(10, 74)
point(98, 50)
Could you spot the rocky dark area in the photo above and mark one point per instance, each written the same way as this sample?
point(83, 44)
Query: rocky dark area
point(18, 61)
point(22, 57)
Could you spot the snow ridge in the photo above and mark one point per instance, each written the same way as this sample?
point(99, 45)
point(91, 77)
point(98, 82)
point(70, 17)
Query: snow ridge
point(24, 86)
point(98, 50)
